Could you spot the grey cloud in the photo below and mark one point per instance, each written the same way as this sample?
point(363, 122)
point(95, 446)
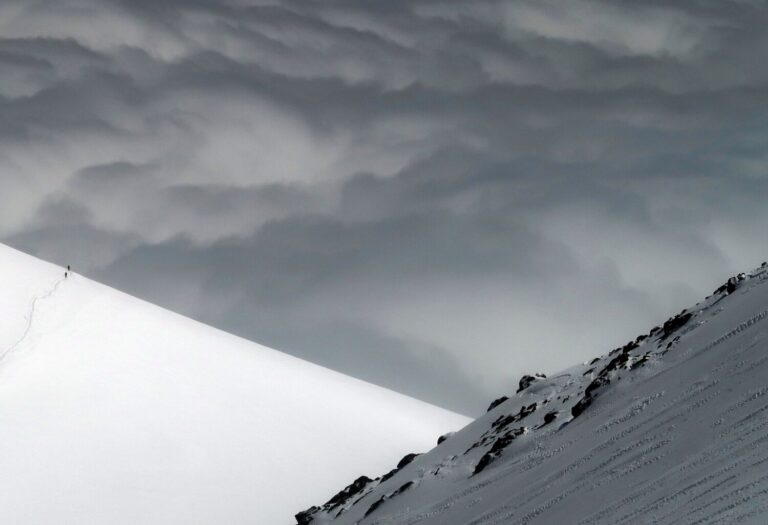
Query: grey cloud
point(434, 196)
point(61, 231)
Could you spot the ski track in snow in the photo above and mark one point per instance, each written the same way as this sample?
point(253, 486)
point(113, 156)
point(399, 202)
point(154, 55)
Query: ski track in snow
point(30, 317)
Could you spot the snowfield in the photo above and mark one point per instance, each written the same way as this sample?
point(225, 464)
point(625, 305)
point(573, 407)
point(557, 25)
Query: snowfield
point(115, 411)
point(671, 428)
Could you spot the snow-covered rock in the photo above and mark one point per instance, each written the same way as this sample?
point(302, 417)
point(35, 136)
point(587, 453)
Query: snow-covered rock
point(527, 380)
point(115, 411)
point(671, 428)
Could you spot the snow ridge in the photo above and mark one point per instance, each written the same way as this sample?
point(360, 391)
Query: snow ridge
point(113, 410)
point(671, 428)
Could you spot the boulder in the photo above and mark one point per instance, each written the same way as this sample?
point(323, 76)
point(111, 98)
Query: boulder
point(673, 324)
point(526, 381)
point(402, 463)
point(305, 517)
point(497, 402)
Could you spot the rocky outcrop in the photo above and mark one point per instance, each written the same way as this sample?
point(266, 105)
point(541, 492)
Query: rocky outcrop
point(355, 491)
point(497, 402)
point(341, 498)
point(673, 324)
point(376, 504)
point(500, 425)
point(731, 284)
point(526, 381)
point(603, 378)
point(498, 446)
point(549, 417)
point(407, 459)
point(502, 433)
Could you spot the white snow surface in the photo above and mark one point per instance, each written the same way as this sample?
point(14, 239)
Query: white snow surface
point(116, 411)
point(678, 435)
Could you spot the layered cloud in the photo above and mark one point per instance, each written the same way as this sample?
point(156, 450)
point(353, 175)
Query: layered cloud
point(435, 196)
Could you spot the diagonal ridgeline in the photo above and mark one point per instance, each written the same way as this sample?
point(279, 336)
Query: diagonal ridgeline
point(113, 410)
point(671, 428)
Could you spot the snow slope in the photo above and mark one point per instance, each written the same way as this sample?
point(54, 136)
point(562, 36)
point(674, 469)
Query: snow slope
point(113, 410)
point(670, 429)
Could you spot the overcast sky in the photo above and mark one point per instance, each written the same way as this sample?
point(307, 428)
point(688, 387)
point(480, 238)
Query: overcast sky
point(435, 196)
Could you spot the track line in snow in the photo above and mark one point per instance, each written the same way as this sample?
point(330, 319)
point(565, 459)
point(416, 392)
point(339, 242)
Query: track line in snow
point(740, 328)
point(30, 318)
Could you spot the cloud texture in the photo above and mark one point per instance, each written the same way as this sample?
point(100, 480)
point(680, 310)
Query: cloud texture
point(436, 196)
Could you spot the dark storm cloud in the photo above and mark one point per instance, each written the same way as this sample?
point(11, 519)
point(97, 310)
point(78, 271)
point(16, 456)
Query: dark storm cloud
point(435, 196)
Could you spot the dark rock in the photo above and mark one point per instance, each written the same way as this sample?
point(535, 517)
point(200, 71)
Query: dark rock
point(444, 437)
point(350, 490)
point(388, 475)
point(526, 381)
point(361, 496)
point(408, 458)
point(375, 505)
point(731, 284)
point(356, 487)
point(475, 445)
point(496, 402)
point(620, 360)
point(675, 323)
point(500, 425)
point(484, 462)
point(305, 517)
point(641, 361)
point(503, 421)
point(549, 418)
point(600, 381)
point(629, 346)
point(501, 443)
point(403, 488)
point(616, 363)
point(402, 463)
point(498, 446)
point(581, 406)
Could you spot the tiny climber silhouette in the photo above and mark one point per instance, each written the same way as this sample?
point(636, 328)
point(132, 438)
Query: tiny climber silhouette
point(68, 270)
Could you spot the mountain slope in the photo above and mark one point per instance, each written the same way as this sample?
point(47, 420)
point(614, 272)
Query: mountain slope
point(115, 411)
point(672, 428)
